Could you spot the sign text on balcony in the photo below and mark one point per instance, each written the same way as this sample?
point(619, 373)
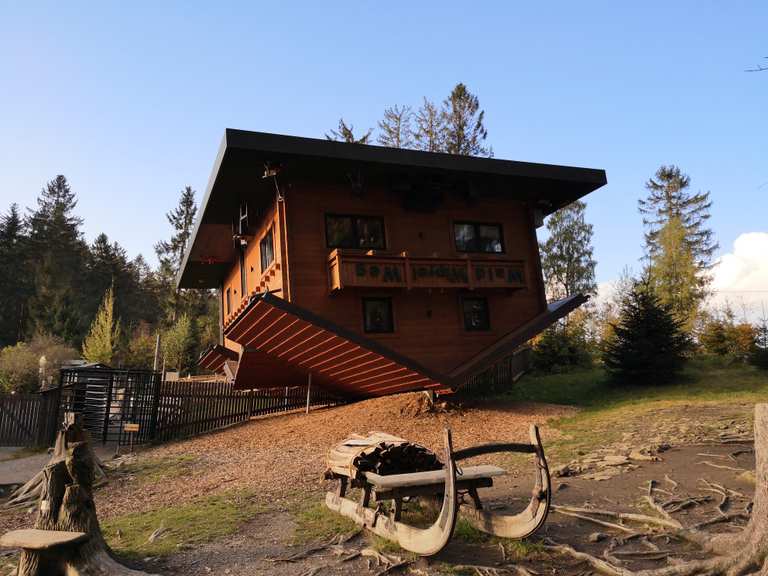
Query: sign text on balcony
point(400, 272)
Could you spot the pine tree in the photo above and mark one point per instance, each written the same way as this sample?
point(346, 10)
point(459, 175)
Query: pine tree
point(463, 123)
point(345, 133)
point(182, 219)
point(57, 254)
point(170, 253)
point(649, 345)
point(101, 343)
point(668, 198)
point(15, 278)
point(566, 255)
point(395, 127)
point(674, 275)
point(429, 132)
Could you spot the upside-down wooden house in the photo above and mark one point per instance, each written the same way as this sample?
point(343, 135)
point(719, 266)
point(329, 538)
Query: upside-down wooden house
point(372, 270)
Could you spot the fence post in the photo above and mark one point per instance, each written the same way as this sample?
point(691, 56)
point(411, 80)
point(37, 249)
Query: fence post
point(155, 404)
point(309, 389)
point(107, 408)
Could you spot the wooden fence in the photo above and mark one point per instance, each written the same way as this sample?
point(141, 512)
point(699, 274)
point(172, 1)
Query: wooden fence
point(130, 406)
point(24, 420)
point(192, 408)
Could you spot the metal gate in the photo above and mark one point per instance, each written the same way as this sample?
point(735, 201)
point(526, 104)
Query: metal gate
point(109, 399)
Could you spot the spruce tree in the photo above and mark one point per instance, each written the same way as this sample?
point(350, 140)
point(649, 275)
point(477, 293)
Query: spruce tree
point(566, 255)
point(395, 127)
point(57, 255)
point(15, 278)
point(429, 131)
point(345, 133)
point(648, 344)
point(102, 341)
point(170, 253)
point(463, 124)
point(668, 198)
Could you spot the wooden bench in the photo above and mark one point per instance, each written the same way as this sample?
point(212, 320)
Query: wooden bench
point(396, 486)
point(41, 540)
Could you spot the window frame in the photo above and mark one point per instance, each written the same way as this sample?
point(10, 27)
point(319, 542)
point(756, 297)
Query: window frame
point(270, 235)
point(464, 298)
point(353, 218)
point(476, 225)
point(228, 296)
point(388, 300)
point(243, 274)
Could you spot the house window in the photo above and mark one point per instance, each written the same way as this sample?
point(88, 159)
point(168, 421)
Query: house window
point(478, 237)
point(229, 300)
point(345, 231)
point(267, 250)
point(377, 315)
point(475, 312)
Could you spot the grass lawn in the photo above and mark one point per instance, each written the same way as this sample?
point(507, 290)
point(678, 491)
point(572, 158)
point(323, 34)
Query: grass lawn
point(182, 525)
point(592, 389)
point(607, 406)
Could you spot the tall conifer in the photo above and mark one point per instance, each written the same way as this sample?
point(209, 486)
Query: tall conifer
point(395, 128)
point(14, 279)
point(345, 133)
point(463, 122)
point(566, 255)
point(57, 256)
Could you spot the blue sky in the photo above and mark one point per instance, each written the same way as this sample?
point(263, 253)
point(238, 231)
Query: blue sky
point(130, 100)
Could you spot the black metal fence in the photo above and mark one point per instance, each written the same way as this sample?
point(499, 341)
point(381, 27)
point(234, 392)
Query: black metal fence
point(135, 406)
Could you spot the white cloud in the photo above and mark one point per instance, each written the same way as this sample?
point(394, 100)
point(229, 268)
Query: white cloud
point(740, 277)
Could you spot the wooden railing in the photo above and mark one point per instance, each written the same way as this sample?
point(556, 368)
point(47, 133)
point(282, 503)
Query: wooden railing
point(402, 271)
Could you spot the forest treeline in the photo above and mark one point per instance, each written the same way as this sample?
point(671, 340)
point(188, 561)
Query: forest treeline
point(57, 292)
point(63, 298)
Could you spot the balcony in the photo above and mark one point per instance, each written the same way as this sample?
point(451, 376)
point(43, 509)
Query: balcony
point(355, 270)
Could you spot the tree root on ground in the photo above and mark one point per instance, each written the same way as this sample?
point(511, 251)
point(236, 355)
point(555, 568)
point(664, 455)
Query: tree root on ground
point(741, 554)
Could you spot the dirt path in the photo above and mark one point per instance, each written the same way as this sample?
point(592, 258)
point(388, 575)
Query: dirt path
point(607, 462)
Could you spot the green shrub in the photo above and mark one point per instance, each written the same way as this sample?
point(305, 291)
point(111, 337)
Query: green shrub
point(720, 335)
point(759, 354)
point(561, 348)
point(20, 364)
point(649, 345)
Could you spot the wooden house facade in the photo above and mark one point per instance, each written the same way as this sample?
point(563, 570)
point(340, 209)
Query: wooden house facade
point(375, 270)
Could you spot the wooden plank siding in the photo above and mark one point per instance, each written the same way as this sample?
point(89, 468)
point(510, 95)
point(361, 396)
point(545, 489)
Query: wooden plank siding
point(428, 322)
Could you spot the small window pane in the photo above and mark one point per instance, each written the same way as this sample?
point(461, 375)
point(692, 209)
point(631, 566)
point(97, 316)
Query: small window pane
point(340, 232)
point(476, 316)
point(266, 250)
point(370, 232)
point(465, 237)
point(476, 237)
point(364, 232)
point(377, 315)
point(489, 236)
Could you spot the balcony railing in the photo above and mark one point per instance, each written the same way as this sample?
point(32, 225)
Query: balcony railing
point(355, 270)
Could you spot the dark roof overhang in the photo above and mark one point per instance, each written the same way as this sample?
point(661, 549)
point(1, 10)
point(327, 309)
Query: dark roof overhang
point(238, 171)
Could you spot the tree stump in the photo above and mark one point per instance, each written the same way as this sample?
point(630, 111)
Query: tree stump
point(66, 504)
point(72, 431)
